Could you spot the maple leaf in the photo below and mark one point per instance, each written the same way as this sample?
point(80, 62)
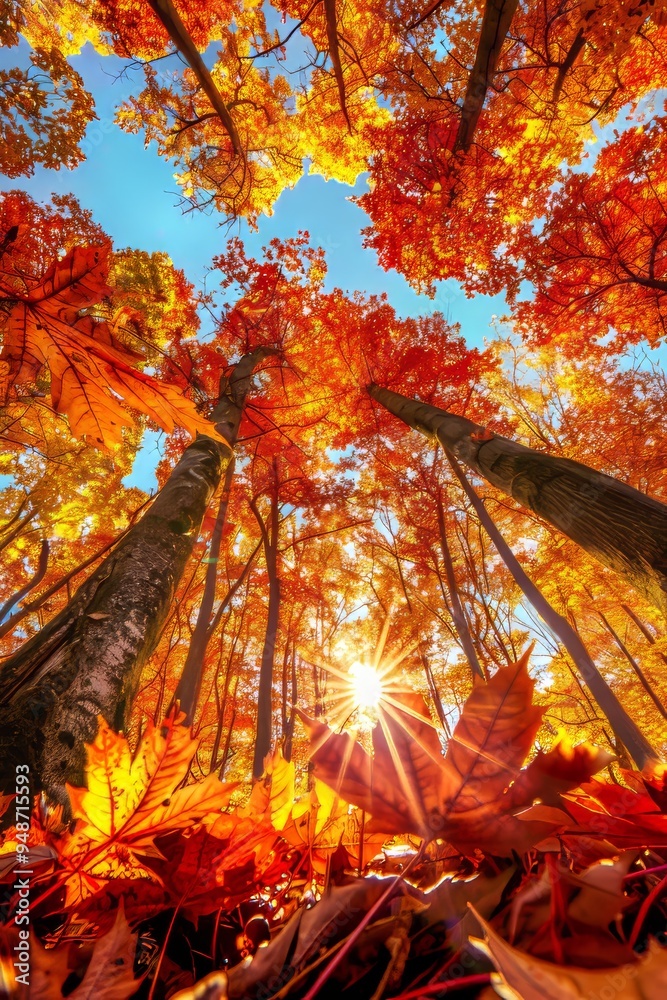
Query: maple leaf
point(549, 774)
point(272, 796)
point(409, 787)
point(398, 797)
point(523, 975)
point(626, 815)
point(323, 823)
point(90, 371)
point(130, 800)
point(218, 866)
point(109, 973)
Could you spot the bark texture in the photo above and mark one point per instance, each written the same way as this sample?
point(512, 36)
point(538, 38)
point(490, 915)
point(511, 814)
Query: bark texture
point(626, 731)
point(171, 20)
point(86, 661)
point(456, 610)
point(496, 23)
point(227, 416)
point(624, 529)
point(263, 737)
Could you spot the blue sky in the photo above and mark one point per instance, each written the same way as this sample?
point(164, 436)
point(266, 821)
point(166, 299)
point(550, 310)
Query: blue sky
point(133, 195)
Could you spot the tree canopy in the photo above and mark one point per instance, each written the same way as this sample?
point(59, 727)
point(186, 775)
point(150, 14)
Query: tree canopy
point(396, 607)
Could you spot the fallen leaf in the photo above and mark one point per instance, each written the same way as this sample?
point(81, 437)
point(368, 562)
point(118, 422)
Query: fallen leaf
point(600, 898)
point(109, 974)
point(407, 786)
point(400, 786)
point(533, 979)
point(562, 768)
point(130, 800)
point(272, 796)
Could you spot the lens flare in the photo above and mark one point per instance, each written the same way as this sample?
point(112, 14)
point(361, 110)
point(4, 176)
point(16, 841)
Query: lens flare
point(367, 687)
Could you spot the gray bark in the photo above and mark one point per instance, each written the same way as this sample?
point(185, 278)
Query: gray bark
point(622, 528)
point(86, 661)
point(455, 436)
point(624, 728)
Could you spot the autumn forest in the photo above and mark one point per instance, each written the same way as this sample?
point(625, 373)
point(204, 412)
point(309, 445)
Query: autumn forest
point(333, 649)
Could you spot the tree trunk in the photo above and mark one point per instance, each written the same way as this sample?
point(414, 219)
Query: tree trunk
point(457, 434)
point(643, 628)
point(435, 695)
point(263, 736)
point(643, 679)
point(189, 684)
point(458, 614)
point(496, 23)
point(624, 529)
point(624, 728)
point(227, 414)
point(230, 730)
point(289, 700)
point(86, 661)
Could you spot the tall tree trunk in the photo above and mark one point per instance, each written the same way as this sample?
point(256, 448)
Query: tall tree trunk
point(227, 414)
point(496, 23)
point(458, 614)
point(435, 695)
point(430, 420)
point(230, 730)
point(623, 528)
point(289, 699)
point(624, 728)
point(643, 628)
point(263, 736)
point(318, 708)
point(643, 679)
point(87, 660)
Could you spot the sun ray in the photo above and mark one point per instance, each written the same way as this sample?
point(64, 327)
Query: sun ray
point(437, 758)
point(388, 665)
point(409, 711)
point(379, 649)
point(406, 785)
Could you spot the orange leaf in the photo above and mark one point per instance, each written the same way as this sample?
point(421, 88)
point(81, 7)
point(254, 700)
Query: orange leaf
point(560, 769)
point(90, 370)
point(130, 800)
point(402, 782)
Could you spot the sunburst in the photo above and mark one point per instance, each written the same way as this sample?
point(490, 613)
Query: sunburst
point(369, 695)
point(360, 693)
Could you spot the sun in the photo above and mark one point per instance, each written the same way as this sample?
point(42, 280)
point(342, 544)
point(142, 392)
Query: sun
point(367, 687)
